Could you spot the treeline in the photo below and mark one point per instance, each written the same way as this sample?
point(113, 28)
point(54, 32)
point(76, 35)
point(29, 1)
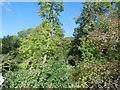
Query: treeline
point(42, 57)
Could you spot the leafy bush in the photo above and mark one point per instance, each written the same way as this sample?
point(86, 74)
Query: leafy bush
point(53, 74)
point(96, 75)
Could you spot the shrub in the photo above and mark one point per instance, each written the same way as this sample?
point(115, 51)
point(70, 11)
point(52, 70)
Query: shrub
point(96, 75)
point(53, 74)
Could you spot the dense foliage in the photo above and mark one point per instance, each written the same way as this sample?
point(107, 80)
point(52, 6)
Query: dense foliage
point(97, 41)
point(51, 11)
point(10, 43)
point(41, 57)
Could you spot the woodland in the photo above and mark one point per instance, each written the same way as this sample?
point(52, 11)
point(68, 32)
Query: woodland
point(42, 57)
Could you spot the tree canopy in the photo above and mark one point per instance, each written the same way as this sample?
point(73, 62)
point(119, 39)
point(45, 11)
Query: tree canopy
point(41, 57)
point(51, 11)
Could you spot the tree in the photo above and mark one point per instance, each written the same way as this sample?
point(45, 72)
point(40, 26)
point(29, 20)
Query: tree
point(10, 43)
point(51, 11)
point(96, 16)
point(24, 34)
point(51, 71)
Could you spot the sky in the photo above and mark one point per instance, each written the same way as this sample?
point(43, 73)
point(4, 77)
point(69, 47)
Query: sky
point(17, 16)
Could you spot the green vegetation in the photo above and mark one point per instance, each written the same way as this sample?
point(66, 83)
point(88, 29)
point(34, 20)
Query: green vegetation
point(41, 57)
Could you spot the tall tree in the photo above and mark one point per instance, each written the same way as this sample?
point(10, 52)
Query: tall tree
point(96, 16)
point(51, 11)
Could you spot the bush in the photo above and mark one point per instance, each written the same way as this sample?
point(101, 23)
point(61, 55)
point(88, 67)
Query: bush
point(96, 75)
point(53, 74)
